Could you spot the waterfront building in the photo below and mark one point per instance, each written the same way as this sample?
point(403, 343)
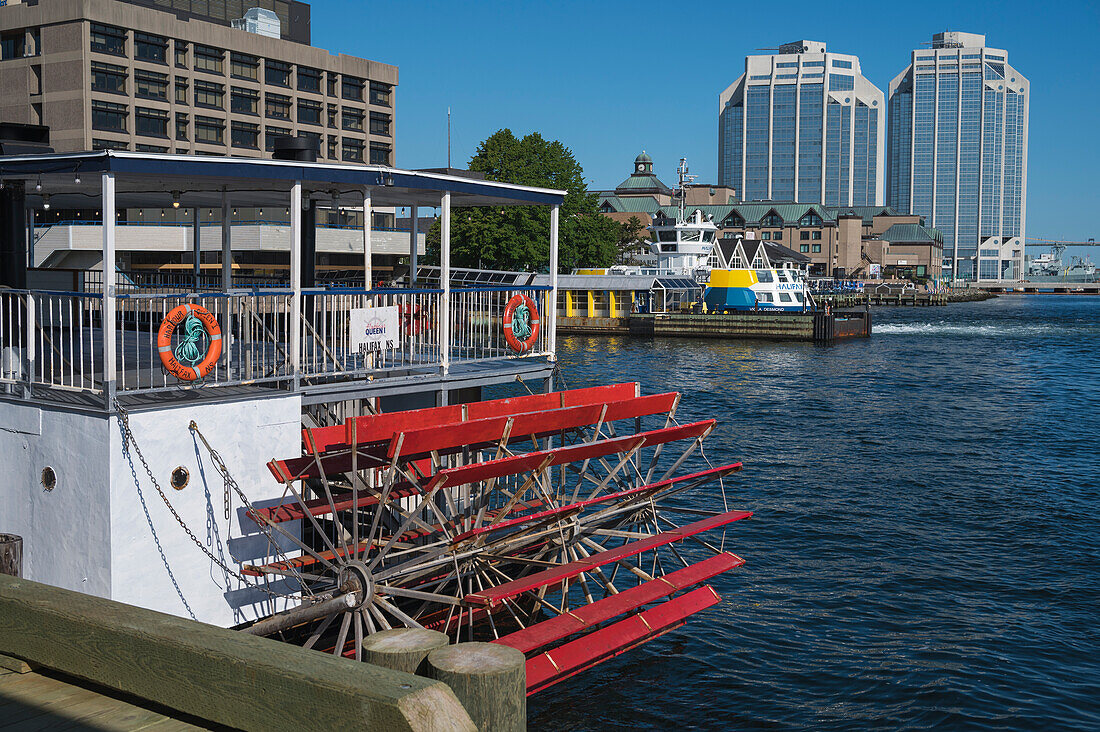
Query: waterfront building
point(803, 124)
point(958, 153)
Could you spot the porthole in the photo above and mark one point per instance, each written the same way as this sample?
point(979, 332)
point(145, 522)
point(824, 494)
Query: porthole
point(180, 478)
point(49, 478)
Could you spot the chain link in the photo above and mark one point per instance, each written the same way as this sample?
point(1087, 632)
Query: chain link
point(124, 418)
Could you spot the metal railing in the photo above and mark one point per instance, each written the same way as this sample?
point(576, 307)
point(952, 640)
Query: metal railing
point(477, 322)
point(54, 340)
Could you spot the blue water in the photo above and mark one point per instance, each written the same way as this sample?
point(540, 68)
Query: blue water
point(925, 549)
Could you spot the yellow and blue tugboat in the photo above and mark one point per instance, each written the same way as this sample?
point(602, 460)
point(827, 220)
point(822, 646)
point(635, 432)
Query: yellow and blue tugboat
point(746, 278)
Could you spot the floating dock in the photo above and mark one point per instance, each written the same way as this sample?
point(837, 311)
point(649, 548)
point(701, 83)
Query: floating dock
point(817, 327)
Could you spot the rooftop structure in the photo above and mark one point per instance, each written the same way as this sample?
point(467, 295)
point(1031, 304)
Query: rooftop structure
point(803, 124)
point(958, 153)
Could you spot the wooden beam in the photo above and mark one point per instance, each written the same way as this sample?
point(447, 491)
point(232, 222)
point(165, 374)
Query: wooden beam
point(219, 675)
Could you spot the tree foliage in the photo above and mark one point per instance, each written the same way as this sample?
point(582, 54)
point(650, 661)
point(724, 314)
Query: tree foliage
point(634, 237)
point(518, 237)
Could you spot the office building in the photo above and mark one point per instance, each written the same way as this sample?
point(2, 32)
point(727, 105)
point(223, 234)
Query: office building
point(958, 153)
point(803, 125)
point(179, 77)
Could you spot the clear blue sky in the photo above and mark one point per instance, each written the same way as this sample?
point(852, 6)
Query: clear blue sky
point(611, 79)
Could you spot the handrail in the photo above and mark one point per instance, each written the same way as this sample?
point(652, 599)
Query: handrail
point(189, 224)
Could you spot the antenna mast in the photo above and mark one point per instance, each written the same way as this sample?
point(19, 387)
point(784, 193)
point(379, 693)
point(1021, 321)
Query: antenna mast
point(685, 179)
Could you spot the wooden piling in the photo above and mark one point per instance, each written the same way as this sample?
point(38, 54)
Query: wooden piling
point(489, 679)
point(402, 649)
point(11, 555)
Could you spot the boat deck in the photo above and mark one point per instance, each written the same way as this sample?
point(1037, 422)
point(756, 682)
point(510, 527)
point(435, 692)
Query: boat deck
point(46, 700)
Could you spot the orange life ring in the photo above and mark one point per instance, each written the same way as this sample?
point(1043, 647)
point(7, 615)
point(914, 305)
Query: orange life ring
point(521, 346)
point(168, 357)
point(414, 318)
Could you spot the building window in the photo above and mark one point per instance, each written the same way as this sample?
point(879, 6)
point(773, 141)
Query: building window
point(277, 73)
point(209, 59)
point(765, 235)
point(11, 46)
point(838, 64)
point(352, 88)
point(150, 85)
point(804, 248)
point(309, 112)
point(108, 78)
point(244, 101)
point(181, 54)
point(209, 94)
point(380, 154)
point(109, 116)
point(181, 126)
point(271, 134)
point(841, 82)
point(332, 112)
point(817, 248)
point(150, 148)
point(810, 219)
point(181, 91)
point(333, 83)
point(309, 80)
point(816, 235)
point(380, 93)
point(243, 66)
point(353, 119)
point(353, 150)
point(314, 137)
point(148, 47)
point(379, 124)
point(108, 39)
point(803, 235)
point(210, 130)
point(333, 147)
point(244, 134)
point(277, 106)
point(150, 122)
point(98, 144)
point(771, 219)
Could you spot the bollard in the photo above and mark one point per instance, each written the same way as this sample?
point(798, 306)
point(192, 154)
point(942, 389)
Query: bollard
point(489, 679)
point(11, 555)
point(402, 649)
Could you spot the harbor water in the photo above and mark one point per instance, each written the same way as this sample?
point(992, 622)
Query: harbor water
point(925, 549)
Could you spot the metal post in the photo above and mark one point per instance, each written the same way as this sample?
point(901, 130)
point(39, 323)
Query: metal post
point(227, 243)
point(552, 307)
point(196, 246)
point(414, 250)
point(109, 303)
point(445, 284)
point(295, 278)
point(368, 270)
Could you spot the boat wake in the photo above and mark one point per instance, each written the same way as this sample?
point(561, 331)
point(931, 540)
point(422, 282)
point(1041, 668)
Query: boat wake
point(943, 328)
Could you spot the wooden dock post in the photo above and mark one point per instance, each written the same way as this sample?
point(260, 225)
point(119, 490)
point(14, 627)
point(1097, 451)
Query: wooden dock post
point(11, 555)
point(402, 649)
point(489, 679)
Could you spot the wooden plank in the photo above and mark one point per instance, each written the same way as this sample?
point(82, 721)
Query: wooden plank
point(584, 617)
point(563, 573)
point(16, 665)
point(220, 675)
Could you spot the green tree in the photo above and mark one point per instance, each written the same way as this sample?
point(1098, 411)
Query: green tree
point(633, 237)
point(518, 237)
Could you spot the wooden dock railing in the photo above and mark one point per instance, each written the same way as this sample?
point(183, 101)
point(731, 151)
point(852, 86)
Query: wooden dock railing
point(219, 675)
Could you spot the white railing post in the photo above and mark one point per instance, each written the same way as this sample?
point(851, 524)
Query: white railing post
point(227, 282)
point(368, 269)
point(31, 351)
point(552, 306)
point(295, 279)
point(414, 250)
point(445, 285)
point(109, 284)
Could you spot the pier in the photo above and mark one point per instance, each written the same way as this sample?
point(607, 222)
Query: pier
point(818, 327)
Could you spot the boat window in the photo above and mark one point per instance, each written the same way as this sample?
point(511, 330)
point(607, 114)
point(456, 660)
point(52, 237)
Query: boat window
point(784, 297)
point(764, 296)
point(691, 236)
point(798, 296)
point(764, 276)
point(782, 273)
point(666, 235)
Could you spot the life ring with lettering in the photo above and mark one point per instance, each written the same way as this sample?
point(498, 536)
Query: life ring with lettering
point(200, 342)
point(521, 323)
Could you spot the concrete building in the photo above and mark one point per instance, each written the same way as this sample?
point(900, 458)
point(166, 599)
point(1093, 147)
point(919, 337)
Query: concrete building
point(803, 125)
point(144, 76)
point(958, 153)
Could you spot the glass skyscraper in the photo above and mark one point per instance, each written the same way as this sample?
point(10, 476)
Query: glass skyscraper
point(803, 125)
point(958, 153)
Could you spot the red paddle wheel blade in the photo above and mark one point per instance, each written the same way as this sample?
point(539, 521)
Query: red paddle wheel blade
point(547, 669)
point(565, 572)
point(585, 617)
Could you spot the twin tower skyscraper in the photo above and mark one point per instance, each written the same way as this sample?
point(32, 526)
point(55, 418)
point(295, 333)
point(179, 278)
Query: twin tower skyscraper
point(950, 144)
